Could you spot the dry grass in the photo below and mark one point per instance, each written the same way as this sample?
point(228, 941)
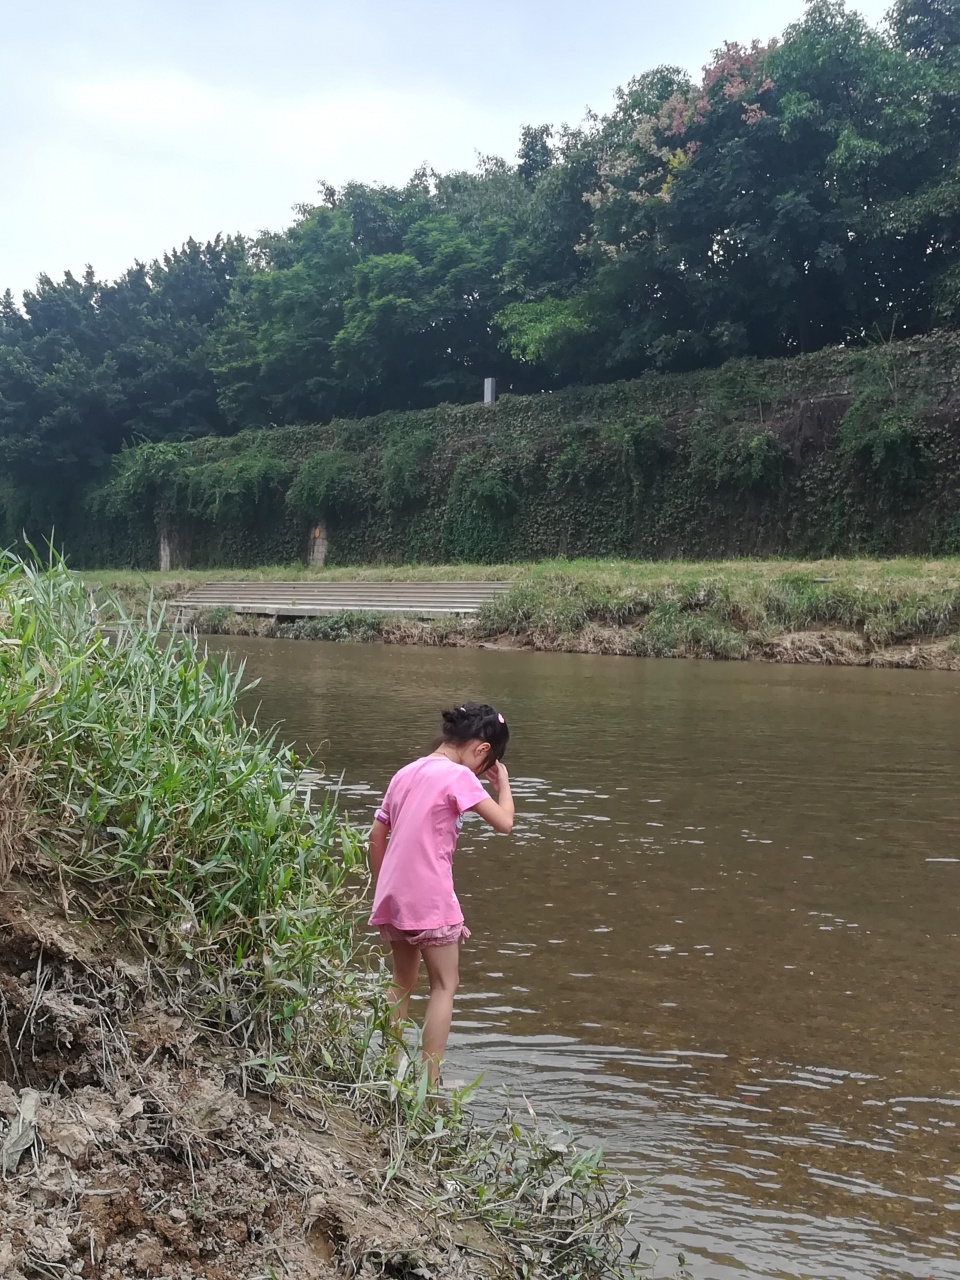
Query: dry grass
point(17, 812)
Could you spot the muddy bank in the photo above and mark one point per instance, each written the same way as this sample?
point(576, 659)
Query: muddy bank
point(701, 639)
point(145, 1158)
point(902, 613)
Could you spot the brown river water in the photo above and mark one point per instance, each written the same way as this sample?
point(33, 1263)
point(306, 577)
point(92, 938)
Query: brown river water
point(723, 940)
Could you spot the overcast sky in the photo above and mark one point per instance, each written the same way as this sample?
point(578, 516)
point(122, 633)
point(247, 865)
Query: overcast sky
point(129, 126)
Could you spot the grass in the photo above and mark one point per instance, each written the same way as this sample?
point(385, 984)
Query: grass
point(151, 787)
point(128, 773)
point(707, 606)
point(720, 609)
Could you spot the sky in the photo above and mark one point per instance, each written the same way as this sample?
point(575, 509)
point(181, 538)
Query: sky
point(130, 126)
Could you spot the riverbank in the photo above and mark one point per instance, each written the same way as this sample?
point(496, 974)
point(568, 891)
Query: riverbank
point(196, 1071)
point(902, 612)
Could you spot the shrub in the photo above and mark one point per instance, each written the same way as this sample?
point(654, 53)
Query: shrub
point(405, 468)
point(329, 484)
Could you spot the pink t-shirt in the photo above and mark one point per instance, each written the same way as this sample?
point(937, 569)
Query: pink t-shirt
point(423, 807)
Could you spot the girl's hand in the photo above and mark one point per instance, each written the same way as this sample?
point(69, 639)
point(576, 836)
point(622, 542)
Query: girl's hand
point(497, 776)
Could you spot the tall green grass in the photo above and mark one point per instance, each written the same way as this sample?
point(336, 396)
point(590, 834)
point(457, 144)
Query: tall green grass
point(185, 820)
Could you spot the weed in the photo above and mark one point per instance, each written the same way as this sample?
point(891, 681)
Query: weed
point(669, 632)
point(215, 620)
point(405, 468)
point(328, 484)
point(346, 625)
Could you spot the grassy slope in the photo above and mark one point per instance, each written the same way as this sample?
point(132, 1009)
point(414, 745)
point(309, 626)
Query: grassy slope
point(827, 610)
point(919, 574)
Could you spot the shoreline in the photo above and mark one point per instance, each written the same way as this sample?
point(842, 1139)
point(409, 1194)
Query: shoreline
point(901, 613)
point(808, 648)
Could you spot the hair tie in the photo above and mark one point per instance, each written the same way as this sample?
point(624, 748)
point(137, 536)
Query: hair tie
point(500, 718)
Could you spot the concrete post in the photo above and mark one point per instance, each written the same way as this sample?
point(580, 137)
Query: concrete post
point(317, 546)
point(174, 548)
point(489, 391)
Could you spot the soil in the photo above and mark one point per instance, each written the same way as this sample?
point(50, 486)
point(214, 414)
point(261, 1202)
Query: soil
point(147, 1160)
point(829, 646)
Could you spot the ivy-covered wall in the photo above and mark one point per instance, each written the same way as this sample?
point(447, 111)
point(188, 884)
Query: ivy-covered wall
point(837, 452)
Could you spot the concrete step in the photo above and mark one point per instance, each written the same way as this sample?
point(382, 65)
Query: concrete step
point(313, 599)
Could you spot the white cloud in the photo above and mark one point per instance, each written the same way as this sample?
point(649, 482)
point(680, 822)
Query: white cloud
point(143, 162)
point(173, 114)
point(219, 134)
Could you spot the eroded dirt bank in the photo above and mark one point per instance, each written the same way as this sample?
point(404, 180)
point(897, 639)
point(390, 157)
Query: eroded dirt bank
point(825, 647)
point(146, 1160)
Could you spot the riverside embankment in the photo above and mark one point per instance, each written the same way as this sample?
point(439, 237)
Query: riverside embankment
point(843, 452)
point(900, 612)
point(195, 1071)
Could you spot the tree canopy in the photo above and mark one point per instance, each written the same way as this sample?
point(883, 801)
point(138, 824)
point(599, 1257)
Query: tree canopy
point(797, 194)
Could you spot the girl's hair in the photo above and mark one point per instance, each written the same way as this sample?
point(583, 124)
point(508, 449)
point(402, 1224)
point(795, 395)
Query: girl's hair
point(475, 720)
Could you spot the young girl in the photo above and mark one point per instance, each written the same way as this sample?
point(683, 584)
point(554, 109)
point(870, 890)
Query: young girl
point(411, 857)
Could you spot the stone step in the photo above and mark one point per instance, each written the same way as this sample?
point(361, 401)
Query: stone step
point(312, 599)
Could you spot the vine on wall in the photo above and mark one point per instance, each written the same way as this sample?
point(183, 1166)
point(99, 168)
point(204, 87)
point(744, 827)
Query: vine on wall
point(835, 452)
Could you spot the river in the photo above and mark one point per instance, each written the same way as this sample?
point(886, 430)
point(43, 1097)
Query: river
point(722, 939)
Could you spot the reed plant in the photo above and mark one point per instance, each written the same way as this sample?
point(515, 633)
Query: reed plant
point(151, 789)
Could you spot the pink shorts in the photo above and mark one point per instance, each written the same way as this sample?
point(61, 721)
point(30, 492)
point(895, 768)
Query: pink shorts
point(450, 933)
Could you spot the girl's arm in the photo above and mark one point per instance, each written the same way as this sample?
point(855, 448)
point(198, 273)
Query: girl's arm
point(377, 847)
point(499, 813)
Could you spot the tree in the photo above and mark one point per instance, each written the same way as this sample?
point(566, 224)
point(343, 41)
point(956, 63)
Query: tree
point(798, 193)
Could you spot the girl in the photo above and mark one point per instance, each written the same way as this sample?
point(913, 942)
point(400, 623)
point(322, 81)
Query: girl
point(411, 858)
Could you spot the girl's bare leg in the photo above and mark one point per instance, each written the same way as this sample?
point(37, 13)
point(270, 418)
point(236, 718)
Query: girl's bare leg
point(443, 970)
point(405, 962)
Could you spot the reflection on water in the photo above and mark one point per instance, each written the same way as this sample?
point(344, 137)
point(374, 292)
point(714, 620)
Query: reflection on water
point(723, 939)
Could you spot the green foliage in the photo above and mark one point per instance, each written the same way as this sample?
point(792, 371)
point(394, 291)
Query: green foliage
point(639, 443)
point(328, 484)
point(480, 505)
point(543, 331)
point(695, 464)
point(886, 437)
point(405, 465)
point(87, 366)
point(680, 611)
point(670, 632)
point(799, 195)
point(739, 456)
point(147, 479)
point(881, 427)
point(233, 490)
point(183, 820)
point(347, 625)
point(570, 466)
